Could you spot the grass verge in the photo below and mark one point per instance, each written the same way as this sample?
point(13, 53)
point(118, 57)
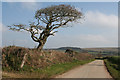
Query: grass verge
point(47, 72)
point(115, 73)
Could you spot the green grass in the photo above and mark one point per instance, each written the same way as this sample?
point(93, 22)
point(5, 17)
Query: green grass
point(113, 67)
point(61, 68)
point(49, 71)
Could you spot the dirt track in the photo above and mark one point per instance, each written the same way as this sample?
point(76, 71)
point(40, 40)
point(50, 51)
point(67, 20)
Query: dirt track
point(95, 69)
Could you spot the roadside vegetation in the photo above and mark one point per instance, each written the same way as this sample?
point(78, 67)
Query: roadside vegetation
point(47, 72)
point(113, 66)
point(37, 64)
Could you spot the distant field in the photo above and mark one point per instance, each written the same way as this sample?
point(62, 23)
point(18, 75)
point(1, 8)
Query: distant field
point(102, 49)
point(93, 50)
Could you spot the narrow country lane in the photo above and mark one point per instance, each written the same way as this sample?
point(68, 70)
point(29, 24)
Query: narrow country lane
point(95, 69)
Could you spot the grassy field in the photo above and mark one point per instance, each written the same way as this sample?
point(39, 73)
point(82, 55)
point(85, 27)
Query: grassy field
point(105, 51)
point(113, 66)
point(47, 72)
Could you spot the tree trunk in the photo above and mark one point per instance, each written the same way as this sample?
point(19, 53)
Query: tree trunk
point(40, 46)
point(42, 42)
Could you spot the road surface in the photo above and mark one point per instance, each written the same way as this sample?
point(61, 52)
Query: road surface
point(95, 69)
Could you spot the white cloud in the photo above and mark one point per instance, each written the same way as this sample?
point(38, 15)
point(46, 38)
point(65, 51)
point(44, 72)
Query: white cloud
point(82, 40)
point(94, 38)
point(98, 19)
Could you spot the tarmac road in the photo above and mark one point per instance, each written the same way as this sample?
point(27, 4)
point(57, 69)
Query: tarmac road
point(95, 69)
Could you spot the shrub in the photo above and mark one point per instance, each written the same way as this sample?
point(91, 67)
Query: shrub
point(12, 57)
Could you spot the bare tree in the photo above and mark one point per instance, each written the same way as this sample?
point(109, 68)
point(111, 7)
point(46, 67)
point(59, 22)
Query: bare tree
point(48, 20)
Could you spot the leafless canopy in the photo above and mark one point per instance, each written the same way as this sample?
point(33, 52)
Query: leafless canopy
point(52, 17)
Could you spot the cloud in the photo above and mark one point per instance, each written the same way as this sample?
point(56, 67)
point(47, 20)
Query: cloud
point(82, 40)
point(98, 19)
point(93, 38)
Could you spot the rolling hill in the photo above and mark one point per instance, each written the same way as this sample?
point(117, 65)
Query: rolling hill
point(104, 50)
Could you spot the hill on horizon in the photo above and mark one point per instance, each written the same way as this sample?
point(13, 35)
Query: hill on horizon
point(103, 50)
point(63, 49)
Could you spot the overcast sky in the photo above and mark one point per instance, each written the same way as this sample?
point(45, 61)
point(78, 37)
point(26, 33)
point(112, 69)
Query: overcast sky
point(98, 29)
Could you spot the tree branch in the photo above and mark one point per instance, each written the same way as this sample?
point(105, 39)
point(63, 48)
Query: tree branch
point(18, 27)
point(42, 19)
point(53, 33)
point(59, 25)
point(34, 38)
